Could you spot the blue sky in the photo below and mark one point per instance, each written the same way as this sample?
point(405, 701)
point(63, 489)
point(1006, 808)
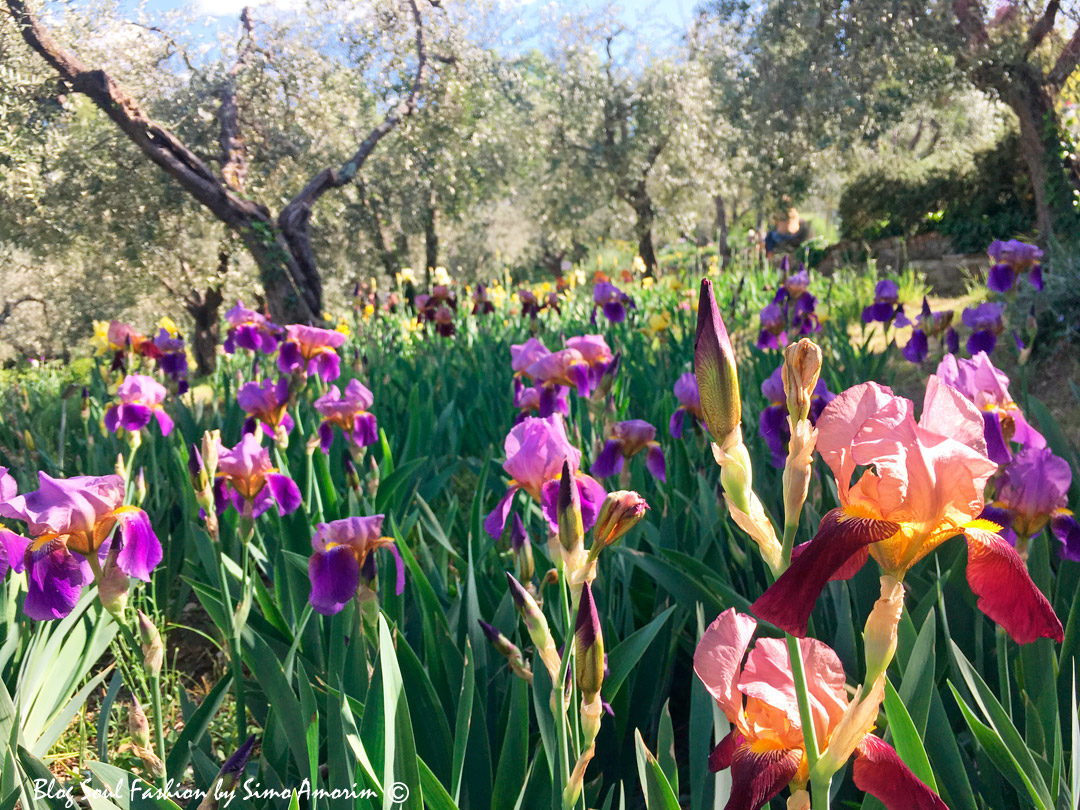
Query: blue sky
point(654, 18)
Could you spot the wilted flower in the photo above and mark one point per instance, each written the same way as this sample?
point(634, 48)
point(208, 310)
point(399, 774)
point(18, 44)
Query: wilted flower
point(342, 565)
point(247, 478)
point(625, 440)
point(75, 515)
point(535, 451)
point(988, 387)
point(922, 484)
point(348, 412)
point(612, 301)
point(266, 403)
point(765, 749)
point(310, 350)
point(141, 400)
point(1011, 259)
point(250, 330)
point(986, 322)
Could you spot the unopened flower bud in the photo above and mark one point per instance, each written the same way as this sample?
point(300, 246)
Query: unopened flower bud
point(620, 512)
point(211, 444)
point(536, 625)
point(113, 590)
point(880, 634)
point(799, 800)
point(571, 527)
point(507, 649)
point(153, 649)
point(155, 768)
point(119, 468)
point(714, 368)
point(197, 470)
point(589, 638)
point(802, 366)
point(521, 545)
point(138, 725)
point(352, 476)
point(228, 777)
point(140, 486)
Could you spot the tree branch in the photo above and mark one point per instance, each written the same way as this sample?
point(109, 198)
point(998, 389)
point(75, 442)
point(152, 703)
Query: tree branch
point(1043, 26)
point(969, 18)
point(1066, 61)
point(233, 156)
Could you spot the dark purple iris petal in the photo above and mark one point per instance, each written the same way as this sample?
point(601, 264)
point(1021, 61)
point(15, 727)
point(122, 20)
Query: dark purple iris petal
point(614, 311)
point(55, 579)
point(917, 348)
point(982, 341)
point(610, 460)
point(996, 446)
point(334, 576)
point(1001, 278)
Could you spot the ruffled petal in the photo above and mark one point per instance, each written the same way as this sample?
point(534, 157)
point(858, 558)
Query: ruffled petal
point(1006, 593)
point(757, 777)
point(789, 601)
point(334, 576)
point(141, 549)
point(284, 492)
point(718, 659)
point(55, 579)
point(879, 771)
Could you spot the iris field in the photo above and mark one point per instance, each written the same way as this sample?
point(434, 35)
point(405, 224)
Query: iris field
point(713, 538)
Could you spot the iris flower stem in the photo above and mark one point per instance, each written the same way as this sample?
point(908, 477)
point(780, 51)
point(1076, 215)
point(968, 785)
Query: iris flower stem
point(565, 752)
point(235, 661)
point(301, 626)
point(802, 694)
point(819, 792)
point(791, 526)
point(159, 723)
point(150, 684)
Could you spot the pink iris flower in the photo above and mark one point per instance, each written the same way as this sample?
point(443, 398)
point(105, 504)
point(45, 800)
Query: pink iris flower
point(247, 478)
point(523, 355)
point(310, 350)
point(348, 412)
point(988, 387)
point(342, 565)
point(626, 440)
point(70, 523)
point(141, 400)
point(765, 746)
point(922, 484)
point(535, 451)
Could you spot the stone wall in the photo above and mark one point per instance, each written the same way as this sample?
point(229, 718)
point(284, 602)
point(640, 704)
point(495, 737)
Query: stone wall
point(948, 273)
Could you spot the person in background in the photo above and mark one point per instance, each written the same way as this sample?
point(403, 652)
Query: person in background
point(789, 232)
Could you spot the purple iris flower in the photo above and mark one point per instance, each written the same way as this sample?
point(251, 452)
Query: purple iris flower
point(564, 367)
point(250, 330)
point(988, 387)
point(626, 440)
point(930, 325)
point(797, 283)
point(1031, 489)
point(535, 452)
point(248, 480)
point(686, 392)
point(173, 361)
point(70, 521)
point(348, 412)
point(546, 399)
point(1013, 258)
point(141, 399)
point(985, 321)
point(602, 363)
point(523, 355)
point(266, 404)
point(611, 300)
point(884, 309)
point(773, 324)
point(342, 566)
point(1065, 528)
point(310, 350)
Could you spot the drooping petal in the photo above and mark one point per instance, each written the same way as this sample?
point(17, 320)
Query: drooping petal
point(718, 659)
point(284, 492)
point(996, 446)
point(365, 429)
point(720, 757)
point(55, 579)
point(675, 425)
point(141, 550)
point(789, 601)
point(326, 436)
point(917, 348)
point(164, 421)
point(1000, 278)
point(112, 418)
point(12, 551)
point(654, 462)
point(1006, 593)
point(982, 341)
point(495, 522)
point(610, 460)
point(399, 565)
point(133, 416)
point(327, 365)
point(879, 771)
point(591, 494)
point(334, 576)
point(757, 777)
point(1065, 528)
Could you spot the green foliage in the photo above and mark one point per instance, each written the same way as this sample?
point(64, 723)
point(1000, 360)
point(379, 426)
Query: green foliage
point(972, 206)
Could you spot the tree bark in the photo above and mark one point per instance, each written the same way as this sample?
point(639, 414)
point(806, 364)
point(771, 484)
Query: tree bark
point(641, 202)
point(431, 234)
point(205, 308)
point(721, 223)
